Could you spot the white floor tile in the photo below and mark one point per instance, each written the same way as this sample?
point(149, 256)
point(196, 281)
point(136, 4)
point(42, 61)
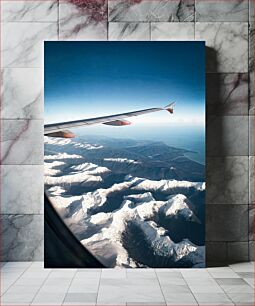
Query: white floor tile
point(88, 274)
point(197, 273)
point(243, 267)
point(249, 281)
point(237, 289)
point(46, 298)
point(222, 272)
point(18, 264)
point(242, 299)
point(213, 299)
point(114, 273)
point(206, 289)
point(175, 289)
point(30, 283)
point(180, 299)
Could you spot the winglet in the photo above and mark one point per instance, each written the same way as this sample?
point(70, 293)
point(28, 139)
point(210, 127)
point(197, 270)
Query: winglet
point(170, 108)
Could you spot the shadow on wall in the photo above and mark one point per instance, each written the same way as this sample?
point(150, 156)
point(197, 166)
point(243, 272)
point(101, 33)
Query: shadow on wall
point(224, 223)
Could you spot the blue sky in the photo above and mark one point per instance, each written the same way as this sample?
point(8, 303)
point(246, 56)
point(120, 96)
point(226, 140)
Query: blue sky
point(90, 79)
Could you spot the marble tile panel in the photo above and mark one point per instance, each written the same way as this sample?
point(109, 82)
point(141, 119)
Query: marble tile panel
point(129, 31)
point(21, 192)
point(227, 45)
point(227, 223)
point(251, 222)
point(22, 237)
point(23, 10)
point(172, 31)
point(227, 135)
point(151, 10)
point(251, 180)
point(251, 10)
point(23, 43)
point(238, 251)
point(251, 93)
point(251, 68)
point(251, 135)
point(227, 180)
point(22, 93)
point(216, 252)
point(234, 10)
point(83, 20)
point(227, 93)
point(21, 142)
point(251, 250)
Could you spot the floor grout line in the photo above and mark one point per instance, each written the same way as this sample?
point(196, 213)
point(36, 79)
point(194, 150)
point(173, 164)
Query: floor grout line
point(40, 288)
point(209, 275)
point(223, 288)
point(160, 286)
point(189, 287)
point(69, 286)
point(15, 280)
point(98, 286)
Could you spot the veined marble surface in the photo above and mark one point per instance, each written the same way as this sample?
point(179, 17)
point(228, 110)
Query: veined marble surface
point(227, 223)
point(251, 181)
point(83, 20)
point(227, 180)
point(251, 135)
point(22, 237)
point(22, 93)
point(227, 136)
point(251, 222)
point(251, 68)
point(172, 31)
point(251, 10)
point(151, 10)
point(238, 251)
point(21, 142)
point(229, 43)
point(129, 31)
point(23, 10)
point(22, 43)
point(212, 10)
point(22, 189)
point(227, 93)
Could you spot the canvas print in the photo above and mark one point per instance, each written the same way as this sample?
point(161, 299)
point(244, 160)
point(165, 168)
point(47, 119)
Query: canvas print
point(124, 157)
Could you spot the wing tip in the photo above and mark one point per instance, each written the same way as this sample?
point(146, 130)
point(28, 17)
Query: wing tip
point(170, 108)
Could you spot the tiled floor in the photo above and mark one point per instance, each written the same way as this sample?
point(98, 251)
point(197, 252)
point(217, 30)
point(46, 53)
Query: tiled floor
point(27, 283)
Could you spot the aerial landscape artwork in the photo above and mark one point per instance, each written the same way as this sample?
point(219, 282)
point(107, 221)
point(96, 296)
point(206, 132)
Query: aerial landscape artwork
point(124, 156)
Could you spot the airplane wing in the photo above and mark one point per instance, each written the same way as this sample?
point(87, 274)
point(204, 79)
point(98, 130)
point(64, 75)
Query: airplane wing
point(60, 129)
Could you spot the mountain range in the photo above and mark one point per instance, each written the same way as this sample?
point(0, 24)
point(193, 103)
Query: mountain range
point(130, 203)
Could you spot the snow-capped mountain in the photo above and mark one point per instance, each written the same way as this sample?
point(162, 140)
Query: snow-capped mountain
point(136, 205)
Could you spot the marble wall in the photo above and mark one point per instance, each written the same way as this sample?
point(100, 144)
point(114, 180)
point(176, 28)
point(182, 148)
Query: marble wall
point(228, 29)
